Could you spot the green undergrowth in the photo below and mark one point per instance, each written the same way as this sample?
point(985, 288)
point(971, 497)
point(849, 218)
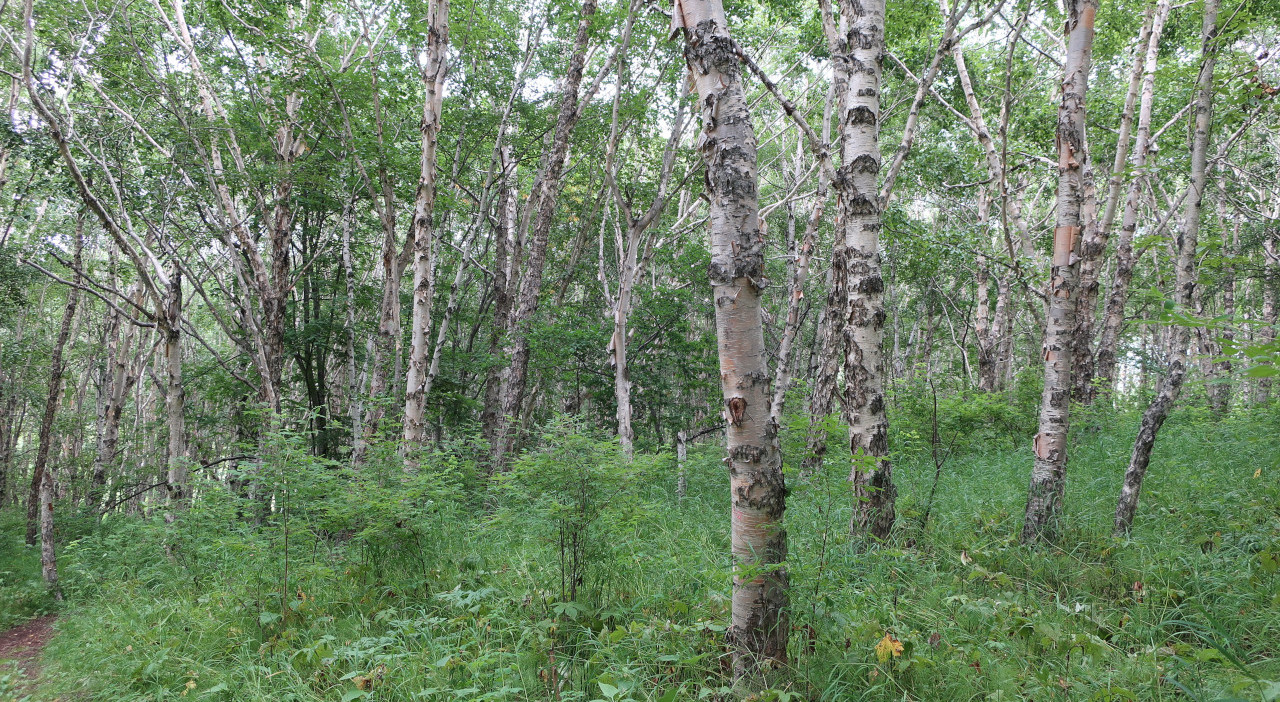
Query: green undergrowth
point(581, 577)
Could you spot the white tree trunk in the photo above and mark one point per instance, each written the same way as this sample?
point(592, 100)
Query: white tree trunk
point(759, 630)
point(433, 77)
point(1048, 477)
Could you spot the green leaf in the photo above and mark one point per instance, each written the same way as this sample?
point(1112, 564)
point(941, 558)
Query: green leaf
point(266, 618)
point(353, 695)
point(608, 690)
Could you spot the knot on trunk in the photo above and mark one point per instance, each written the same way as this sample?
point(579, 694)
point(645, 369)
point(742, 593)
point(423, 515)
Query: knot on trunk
point(735, 410)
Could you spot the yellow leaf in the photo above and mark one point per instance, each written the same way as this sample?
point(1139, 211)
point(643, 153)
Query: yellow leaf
point(888, 647)
point(1257, 473)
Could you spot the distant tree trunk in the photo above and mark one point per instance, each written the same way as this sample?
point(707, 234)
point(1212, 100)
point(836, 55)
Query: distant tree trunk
point(1126, 258)
point(857, 57)
point(795, 290)
point(633, 250)
point(1185, 276)
point(1048, 478)
point(175, 395)
point(984, 334)
point(117, 382)
point(505, 256)
point(433, 76)
point(9, 427)
point(759, 630)
point(826, 372)
point(543, 199)
point(682, 455)
point(42, 484)
point(384, 347)
point(1220, 388)
point(355, 400)
point(48, 555)
point(1270, 281)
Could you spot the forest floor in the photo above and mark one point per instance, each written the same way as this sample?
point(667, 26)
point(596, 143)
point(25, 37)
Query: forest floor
point(20, 650)
point(380, 588)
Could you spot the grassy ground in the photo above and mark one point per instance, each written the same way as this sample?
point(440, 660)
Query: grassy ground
point(447, 594)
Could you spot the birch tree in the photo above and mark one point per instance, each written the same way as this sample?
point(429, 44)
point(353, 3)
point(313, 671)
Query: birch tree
point(433, 77)
point(1177, 337)
point(1048, 477)
point(759, 629)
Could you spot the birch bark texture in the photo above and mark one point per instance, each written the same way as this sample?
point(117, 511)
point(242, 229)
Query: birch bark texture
point(759, 628)
point(858, 59)
point(1048, 476)
point(433, 76)
point(1178, 337)
point(1097, 233)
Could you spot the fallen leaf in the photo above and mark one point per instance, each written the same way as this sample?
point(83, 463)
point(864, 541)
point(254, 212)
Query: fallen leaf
point(888, 647)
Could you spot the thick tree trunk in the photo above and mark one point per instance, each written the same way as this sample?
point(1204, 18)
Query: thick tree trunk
point(1048, 477)
point(759, 629)
point(42, 484)
point(547, 192)
point(1126, 259)
point(1185, 277)
point(433, 76)
point(858, 59)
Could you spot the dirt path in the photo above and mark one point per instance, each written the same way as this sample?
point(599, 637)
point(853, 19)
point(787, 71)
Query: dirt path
point(21, 646)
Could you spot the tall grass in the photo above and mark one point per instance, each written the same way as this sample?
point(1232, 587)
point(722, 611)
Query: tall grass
point(360, 586)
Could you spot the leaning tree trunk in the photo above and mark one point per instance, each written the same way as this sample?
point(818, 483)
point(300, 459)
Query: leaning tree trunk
point(433, 75)
point(40, 492)
point(856, 265)
point(1179, 336)
point(759, 629)
point(1126, 258)
point(1048, 477)
point(544, 200)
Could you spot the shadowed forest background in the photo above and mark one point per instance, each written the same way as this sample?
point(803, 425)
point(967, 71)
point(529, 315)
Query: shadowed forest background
point(617, 350)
